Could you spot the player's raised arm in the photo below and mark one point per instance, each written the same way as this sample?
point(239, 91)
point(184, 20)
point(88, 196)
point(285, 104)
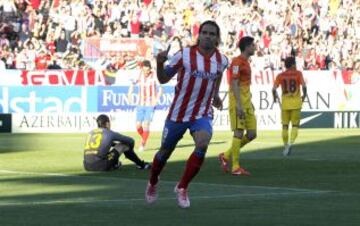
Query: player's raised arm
point(165, 73)
point(160, 70)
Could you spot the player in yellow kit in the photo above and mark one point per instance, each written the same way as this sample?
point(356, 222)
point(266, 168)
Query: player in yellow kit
point(291, 101)
point(241, 109)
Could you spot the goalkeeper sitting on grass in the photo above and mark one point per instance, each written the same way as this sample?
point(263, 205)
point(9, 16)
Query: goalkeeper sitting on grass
point(103, 148)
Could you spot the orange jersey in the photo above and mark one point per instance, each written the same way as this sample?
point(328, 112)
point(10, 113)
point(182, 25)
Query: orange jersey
point(290, 81)
point(240, 69)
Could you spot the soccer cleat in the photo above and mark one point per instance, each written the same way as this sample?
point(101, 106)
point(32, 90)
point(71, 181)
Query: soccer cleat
point(240, 172)
point(150, 193)
point(182, 197)
point(117, 165)
point(224, 162)
point(287, 150)
point(145, 166)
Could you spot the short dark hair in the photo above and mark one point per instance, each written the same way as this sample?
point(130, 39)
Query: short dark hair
point(146, 63)
point(289, 62)
point(101, 120)
point(245, 42)
point(212, 23)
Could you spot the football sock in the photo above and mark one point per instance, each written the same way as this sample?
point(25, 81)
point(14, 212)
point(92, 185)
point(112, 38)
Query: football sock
point(134, 158)
point(236, 142)
point(193, 166)
point(285, 136)
point(145, 136)
point(140, 131)
point(244, 141)
point(156, 168)
point(235, 152)
point(294, 133)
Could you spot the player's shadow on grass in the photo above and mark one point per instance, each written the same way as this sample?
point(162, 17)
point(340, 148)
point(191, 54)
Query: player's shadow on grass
point(313, 165)
point(182, 146)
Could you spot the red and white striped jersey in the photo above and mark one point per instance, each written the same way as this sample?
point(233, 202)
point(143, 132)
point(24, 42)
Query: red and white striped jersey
point(196, 78)
point(148, 89)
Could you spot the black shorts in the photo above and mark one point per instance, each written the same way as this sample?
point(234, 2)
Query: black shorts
point(96, 164)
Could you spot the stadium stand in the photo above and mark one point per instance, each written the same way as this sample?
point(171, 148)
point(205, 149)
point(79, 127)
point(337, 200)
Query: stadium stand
point(321, 34)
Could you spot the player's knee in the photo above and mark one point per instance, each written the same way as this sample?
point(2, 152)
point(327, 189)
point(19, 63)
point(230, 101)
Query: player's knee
point(202, 144)
point(120, 148)
point(131, 143)
point(285, 127)
point(146, 125)
point(251, 136)
point(202, 140)
point(239, 133)
point(202, 147)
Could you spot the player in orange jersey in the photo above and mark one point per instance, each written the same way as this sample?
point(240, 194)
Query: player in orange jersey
point(291, 101)
point(241, 109)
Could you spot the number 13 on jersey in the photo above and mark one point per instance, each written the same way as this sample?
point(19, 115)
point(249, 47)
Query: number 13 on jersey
point(93, 141)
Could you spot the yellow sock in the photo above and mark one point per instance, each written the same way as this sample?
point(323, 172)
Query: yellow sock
point(244, 141)
point(228, 153)
point(294, 133)
point(285, 136)
point(235, 151)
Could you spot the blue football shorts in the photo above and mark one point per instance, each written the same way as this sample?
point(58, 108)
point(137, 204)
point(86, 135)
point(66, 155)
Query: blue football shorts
point(144, 113)
point(174, 131)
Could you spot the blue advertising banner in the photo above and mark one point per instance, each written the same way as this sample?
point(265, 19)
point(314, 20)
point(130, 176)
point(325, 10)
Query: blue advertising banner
point(115, 98)
point(48, 99)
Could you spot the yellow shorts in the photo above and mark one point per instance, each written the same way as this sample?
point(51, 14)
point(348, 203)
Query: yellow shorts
point(249, 123)
point(292, 115)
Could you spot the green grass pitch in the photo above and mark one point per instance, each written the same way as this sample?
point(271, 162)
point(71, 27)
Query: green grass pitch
point(42, 182)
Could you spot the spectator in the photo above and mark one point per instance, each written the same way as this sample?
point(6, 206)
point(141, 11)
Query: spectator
point(20, 59)
point(135, 26)
point(54, 64)
point(69, 23)
point(30, 53)
point(24, 34)
point(61, 44)
point(9, 10)
point(279, 26)
point(4, 41)
point(42, 60)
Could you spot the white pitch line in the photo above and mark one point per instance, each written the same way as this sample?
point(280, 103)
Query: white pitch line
point(35, 173)
point(313, 159)
point(80, 201)
point(161, 181)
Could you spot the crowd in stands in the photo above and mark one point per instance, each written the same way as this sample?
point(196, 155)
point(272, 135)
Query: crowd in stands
point(39, 34)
